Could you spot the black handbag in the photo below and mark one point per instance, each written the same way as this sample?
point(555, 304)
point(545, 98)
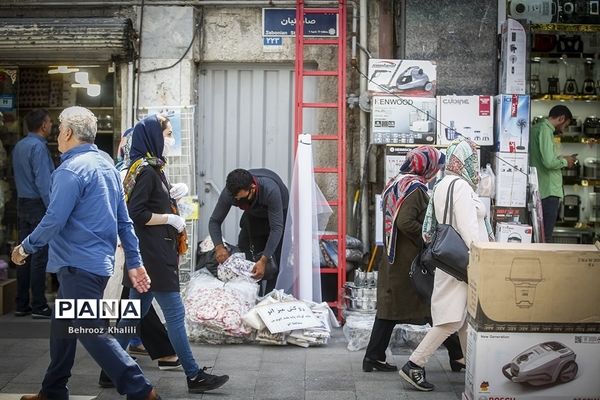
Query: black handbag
point(421, 276)
point(447, 251)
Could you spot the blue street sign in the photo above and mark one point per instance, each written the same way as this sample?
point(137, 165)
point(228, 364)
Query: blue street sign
point(282, 22)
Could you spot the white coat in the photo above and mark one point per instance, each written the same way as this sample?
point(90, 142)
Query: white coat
point(449, 298)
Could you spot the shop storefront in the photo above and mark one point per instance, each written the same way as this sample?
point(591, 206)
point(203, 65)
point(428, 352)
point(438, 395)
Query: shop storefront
point(54, 63)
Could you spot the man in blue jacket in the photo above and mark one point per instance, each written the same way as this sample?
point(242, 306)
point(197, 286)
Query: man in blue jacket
point(33, 166)
point(85, 213)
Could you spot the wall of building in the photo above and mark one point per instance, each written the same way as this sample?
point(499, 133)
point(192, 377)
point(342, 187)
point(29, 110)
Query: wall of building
point(460, 36)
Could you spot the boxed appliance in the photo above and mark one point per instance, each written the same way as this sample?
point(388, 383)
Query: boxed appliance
point(471, 116)
point(517, 365)
point(416, 78)
point(534, 287)
point(394, 158)
point(513, 51)
point(513, 233)
point(512, 123)
point(403, 120)
point(511, 179)
point(509, 214)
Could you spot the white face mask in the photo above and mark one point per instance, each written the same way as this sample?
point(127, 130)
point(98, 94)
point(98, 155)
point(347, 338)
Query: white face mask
point(169, 143)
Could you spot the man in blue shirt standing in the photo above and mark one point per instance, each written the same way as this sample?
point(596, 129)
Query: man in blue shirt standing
point(86, 212)
point(33, 166)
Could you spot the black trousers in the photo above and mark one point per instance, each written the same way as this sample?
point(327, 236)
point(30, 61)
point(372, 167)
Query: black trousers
point(32, 274)
point(382, 333)
point(153, 333)
point(550, 209)
point(254, 233)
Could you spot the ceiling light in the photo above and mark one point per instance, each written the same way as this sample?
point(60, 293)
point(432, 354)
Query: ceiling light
point(79, 85)
point(82, 77)
point(93, 90)
point(62, 69)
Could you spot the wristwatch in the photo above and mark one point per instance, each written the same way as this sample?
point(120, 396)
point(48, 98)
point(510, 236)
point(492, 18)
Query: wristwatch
point(22, 252)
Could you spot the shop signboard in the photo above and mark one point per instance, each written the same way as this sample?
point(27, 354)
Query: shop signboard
point(282, 22)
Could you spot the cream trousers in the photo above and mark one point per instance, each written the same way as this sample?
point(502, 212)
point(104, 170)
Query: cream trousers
point(435, 337)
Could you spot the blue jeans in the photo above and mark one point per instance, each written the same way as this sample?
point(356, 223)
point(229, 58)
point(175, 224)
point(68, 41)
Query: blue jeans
point(172, 308)
point(76, 283)
point(32, 274)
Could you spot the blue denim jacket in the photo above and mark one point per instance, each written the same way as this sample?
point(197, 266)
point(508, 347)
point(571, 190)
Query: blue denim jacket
point(86, 212)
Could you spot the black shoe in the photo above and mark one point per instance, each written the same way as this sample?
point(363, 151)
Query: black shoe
point(104, 381)
point(204, 382)
point(456, 366)
point(370, 365)
point(44, 313)
point(167, 365)
point(23, 313)
point(415, 375)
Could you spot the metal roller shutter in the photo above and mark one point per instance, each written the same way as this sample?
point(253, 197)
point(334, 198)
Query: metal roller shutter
point(66, 39)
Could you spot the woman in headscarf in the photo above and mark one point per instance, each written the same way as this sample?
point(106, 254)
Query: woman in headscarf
point(449, 298)
point(404, 204)
point(161, 232)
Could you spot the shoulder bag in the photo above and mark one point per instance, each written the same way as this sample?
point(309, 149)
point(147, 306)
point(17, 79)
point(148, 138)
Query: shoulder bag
point(421, 276)
point(447, 250)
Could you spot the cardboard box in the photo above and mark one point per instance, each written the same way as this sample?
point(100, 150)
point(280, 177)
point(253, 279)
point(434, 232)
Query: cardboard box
point(403, 120)
point(511, 133)
point(471, 116)
point(8, 293)
point(541, 366)
point(513, 62)
point(415, 78)
point(507, 232)
point(509, 214)
point(534, 287)
point(511, 179)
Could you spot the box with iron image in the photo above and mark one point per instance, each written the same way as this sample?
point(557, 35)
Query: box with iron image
point(403, 120)
point(511, 133)
point(540, 366)
point(470, 116)
point(534, 287)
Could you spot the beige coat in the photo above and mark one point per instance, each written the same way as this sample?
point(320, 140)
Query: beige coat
point(449, 298)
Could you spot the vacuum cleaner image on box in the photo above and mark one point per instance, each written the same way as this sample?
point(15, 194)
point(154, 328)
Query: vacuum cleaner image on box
point(543, 364)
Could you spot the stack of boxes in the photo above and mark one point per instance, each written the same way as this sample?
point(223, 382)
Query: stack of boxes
point(534, 322)
point(512, 136)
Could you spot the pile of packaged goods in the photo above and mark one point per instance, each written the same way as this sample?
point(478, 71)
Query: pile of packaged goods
point(226, 309)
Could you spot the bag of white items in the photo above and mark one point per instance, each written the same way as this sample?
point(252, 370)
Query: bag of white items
point(214, 309)
point(235, 266)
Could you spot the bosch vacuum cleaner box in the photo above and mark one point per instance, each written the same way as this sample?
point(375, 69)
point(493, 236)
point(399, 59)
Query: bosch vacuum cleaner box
point(414, 78)
point(537, 287)
point(541, 366)
point(470, 116)
point(403, 120)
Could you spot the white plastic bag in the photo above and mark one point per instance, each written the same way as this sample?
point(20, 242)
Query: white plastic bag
point(487, 183)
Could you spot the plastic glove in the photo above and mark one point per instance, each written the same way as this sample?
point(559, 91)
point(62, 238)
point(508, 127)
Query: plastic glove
point(178, 190)
point(176, 222)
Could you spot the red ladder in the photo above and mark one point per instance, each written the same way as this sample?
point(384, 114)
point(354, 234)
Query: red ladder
point(339, 137)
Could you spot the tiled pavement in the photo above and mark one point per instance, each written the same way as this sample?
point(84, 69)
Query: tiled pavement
point(256, 372)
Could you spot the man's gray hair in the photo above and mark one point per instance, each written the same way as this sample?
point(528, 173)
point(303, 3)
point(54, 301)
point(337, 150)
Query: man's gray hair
point(82, 121)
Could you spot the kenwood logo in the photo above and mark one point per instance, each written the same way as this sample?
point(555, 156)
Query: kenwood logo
point(393, 101)
point(456, 101)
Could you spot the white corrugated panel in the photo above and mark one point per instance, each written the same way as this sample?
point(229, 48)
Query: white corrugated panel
point(245, 121)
